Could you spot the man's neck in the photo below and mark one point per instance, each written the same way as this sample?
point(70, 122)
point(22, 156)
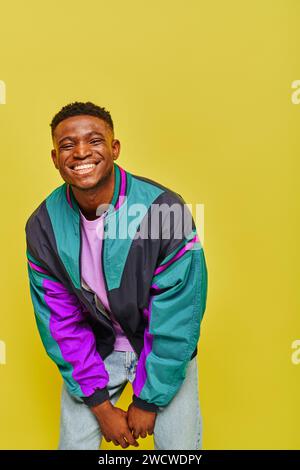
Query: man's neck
point(90, 199)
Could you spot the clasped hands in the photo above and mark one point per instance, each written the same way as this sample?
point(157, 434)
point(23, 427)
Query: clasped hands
point(121, 427)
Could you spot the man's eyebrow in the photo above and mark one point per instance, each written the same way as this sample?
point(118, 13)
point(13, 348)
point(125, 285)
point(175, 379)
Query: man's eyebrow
point(86, 135)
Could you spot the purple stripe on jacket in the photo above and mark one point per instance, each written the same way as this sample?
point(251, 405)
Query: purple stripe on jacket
point(75, 337)
point(122, 192)
point(178, 255)
point(141, 373)
point(38, 268)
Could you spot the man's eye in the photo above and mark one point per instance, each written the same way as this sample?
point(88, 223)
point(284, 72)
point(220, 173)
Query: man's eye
point(66, 147)
point(94, 141)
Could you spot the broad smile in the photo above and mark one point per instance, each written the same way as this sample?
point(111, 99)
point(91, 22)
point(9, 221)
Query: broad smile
point(84, 168)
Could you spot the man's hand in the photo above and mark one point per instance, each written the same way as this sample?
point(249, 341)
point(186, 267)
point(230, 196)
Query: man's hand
point(113, 424)
point(140, 422)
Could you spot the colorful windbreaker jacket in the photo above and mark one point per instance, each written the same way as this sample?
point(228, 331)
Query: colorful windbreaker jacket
point(156, 288)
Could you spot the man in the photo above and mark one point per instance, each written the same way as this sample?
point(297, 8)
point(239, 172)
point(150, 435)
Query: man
point(118, 282)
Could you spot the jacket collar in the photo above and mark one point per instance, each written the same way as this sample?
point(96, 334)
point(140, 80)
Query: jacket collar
point(120, 190)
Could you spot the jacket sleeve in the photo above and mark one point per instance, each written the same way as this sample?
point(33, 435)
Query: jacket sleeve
point(66, 335)
point(175, 310)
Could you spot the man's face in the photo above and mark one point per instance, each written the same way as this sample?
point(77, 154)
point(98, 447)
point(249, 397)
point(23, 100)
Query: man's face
point(84, 150)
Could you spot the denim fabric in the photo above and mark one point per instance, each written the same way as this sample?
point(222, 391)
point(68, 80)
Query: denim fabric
point(178, 426)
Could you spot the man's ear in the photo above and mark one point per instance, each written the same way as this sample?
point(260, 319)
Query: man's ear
point(116, 147)
point(54, 158)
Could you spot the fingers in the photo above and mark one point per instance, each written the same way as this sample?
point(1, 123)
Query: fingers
point(124, 443)
point(127, 439)
point(120, 442)
point(131, 439)
point(140, 433)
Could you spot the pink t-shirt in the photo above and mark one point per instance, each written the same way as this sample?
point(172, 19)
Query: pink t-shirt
point(92, 274)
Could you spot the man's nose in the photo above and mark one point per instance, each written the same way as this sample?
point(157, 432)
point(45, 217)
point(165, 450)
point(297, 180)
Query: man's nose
point(82, 150)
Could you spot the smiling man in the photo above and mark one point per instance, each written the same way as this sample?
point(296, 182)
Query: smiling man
point(112, 308)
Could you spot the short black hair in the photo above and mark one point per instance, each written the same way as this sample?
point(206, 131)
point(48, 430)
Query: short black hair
point(76, 108)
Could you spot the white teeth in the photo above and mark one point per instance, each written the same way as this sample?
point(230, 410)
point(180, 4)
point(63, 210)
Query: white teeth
point(84, 166)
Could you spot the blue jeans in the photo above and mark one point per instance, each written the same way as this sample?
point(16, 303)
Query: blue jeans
point(178, 426)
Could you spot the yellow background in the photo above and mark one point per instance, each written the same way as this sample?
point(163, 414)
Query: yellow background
point(200, 94)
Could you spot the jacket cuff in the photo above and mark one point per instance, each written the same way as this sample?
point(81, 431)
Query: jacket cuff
point(144, 405)
point(99, 396)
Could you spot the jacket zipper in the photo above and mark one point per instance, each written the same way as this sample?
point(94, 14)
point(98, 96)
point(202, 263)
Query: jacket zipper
point(80, 249)
point(106, 286)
